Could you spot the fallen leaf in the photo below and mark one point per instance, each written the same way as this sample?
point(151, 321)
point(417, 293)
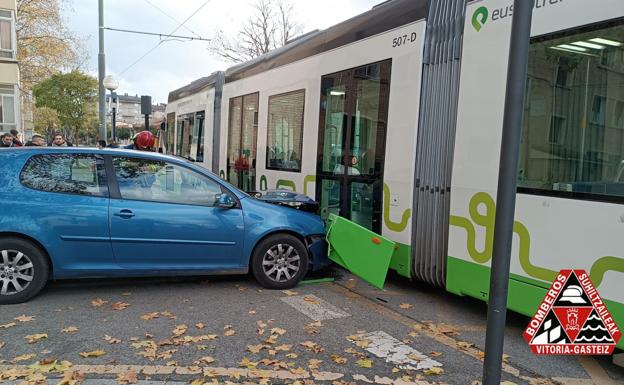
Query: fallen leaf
point(229, 331)
point(413, 334)
point(71, 377)
point(476, 382)
point(150, 316)
point(246, 363)
point(94, 353)
point(337, 359)
point(312, 346)
point(207, 359)
point(9, 325)
point(508, 383)
point(364, 363)
point(359, 377)
point(200, 325)
point(406, 306)
point(24, 357)
point(310, 299)
point(2, 344)
point(434, 371)
point(383, 380)
point(312, 328)
point(32, 338)
point(71, 329)
point(111, 340)
point(279, 331)
point(290, 293)
point(464, 345)
point(252, 312)
point(255, 349)
point(98, 302)
point(119, 306)
point(505, 358)
point(314, 363)
point(24, 318)
point(291, 355)
point(180, 330)
point(435, 354)
point(283, 348)
point(129, 377)
point(198, 381)
point(395, 370)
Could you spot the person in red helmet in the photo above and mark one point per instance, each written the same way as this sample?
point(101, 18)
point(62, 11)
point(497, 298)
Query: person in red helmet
point(143, 141)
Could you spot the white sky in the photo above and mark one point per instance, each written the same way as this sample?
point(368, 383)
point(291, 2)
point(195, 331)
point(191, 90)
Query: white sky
point(176, 63)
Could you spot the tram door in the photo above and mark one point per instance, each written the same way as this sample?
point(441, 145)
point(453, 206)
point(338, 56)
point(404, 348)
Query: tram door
point(351, 146)
point(242, 139)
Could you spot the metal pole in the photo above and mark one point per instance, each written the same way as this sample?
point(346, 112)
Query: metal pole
point(114, 126)
point(101, 73)
point(147, 122)
point(506, 197)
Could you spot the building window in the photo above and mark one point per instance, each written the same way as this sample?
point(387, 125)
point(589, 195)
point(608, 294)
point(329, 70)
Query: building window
point(7, 108)
point(573, 134)
point(285, 131)
point(7, 49)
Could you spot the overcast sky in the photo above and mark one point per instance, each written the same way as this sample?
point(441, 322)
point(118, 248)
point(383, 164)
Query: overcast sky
point(175, 63)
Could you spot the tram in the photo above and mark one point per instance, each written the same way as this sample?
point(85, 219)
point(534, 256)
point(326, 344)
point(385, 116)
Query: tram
point(393, 119)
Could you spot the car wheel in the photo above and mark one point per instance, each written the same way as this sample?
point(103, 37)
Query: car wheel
point(23, 270)
point(280, 262)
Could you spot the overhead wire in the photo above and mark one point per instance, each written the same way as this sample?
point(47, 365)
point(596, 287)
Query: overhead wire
point(164, 39)
point(171, 17)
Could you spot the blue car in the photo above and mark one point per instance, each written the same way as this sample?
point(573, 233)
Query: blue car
point(88, 213)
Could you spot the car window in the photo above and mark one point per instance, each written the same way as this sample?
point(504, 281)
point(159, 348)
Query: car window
point(154, 180)
point(80, 174)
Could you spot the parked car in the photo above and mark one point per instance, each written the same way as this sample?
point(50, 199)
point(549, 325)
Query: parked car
point(87, 213)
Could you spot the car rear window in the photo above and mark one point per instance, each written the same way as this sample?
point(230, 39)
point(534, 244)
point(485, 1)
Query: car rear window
point(80, 174)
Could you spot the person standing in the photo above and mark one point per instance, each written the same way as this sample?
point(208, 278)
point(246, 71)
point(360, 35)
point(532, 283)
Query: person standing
point(59, 141)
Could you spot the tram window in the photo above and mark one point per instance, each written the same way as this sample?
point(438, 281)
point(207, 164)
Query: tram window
point(573, 133)
point(191, 136)
point(170, 132)
point(285, 131)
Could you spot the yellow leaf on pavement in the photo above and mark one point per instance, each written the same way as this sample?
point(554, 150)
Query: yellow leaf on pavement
point(119, 306)
point(291, 355)
point(434, 371)
point(310, 299)
point(289, 293)
point(312, 346)
point(111, 340)
point(32, 338)
point(72, 378)
point(24, 318)
point(150, 316)
point(179, 330)
point(9, 325)
point(94, 353)
point(279, 331)
point(71, 329)
point(129, 377)
point(246, 363)
point(337, 359)
point(364, 363)
point(198, 381)
point(255, 349)
point(207, 359)
point(98, 302)
point(406, 306)
point(200, 325)
point(435, 354)
point(24, 357)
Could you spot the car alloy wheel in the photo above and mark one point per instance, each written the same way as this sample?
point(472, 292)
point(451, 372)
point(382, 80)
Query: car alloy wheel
point(281, 262)
point(16, 272)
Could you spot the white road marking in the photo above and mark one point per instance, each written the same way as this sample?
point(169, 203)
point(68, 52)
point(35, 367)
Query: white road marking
point(383, 345)
point(314, 307)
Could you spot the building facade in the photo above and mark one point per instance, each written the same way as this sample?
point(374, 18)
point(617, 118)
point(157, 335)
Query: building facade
point(9, 70)
point(129, 112)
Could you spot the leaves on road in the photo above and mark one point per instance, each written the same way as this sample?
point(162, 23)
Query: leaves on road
point(255, 349)
point(207, 360)
point(312, 346)
point(125, 378)
point(24, 357)
point(364, 363)
point(337, 359)
point(200, 325)
point(228, 330)
point(98, 302)
point(111, 340)
point(72, 377)
point(290, 293)
point(71, 329)
point(179, 330)
point(359, 341)
point(406, 306)
point(359, 377)
point(310, 299)
point(434, 371)
point(9, 325)
point(312, 328)
point(91, 354)
point(150, 316)
point(120, 305)
point(24, 318)
point(33, 338)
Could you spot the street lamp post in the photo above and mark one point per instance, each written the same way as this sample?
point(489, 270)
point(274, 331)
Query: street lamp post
point(112, 84)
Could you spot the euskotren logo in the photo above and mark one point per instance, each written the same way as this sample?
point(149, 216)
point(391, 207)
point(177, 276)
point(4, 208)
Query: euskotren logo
point(480, 17)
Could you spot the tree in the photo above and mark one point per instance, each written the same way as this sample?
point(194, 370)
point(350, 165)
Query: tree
point(271, 26)
point(46, 121)
point(73, 96)
point(45, 46)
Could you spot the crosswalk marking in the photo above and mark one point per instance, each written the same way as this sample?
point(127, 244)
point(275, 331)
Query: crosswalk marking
point(314, 307)
point(383, 345)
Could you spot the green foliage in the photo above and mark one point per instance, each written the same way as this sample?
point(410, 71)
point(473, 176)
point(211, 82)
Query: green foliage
point(73, 96)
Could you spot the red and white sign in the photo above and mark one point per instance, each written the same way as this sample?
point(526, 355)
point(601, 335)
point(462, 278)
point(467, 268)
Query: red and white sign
point(572, 319)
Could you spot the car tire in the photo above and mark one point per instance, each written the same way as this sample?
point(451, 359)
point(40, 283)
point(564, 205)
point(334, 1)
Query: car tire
point(24, 270)
point(279, 262)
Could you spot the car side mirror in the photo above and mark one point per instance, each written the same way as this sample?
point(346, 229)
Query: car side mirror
point(225, 201)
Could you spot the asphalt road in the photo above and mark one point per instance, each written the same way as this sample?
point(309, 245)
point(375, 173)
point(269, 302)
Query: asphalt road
point(229, 329)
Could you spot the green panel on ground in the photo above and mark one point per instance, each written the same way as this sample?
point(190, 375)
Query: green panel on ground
point(525, 294)
point(401, 261)
point(359, 250)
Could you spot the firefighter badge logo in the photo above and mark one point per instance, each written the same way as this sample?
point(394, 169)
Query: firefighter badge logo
point(572, 319)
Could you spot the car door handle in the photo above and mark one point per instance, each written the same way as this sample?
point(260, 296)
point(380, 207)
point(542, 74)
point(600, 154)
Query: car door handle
point(126, 214)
